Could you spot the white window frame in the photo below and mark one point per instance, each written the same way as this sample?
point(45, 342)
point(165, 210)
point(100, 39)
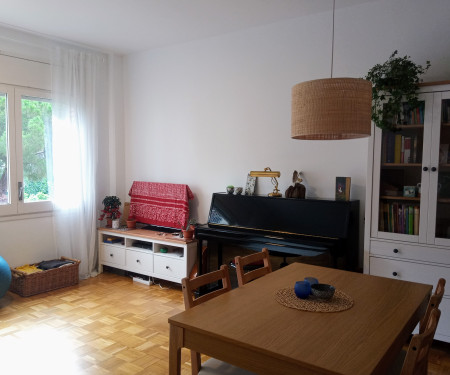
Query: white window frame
point(15, 158)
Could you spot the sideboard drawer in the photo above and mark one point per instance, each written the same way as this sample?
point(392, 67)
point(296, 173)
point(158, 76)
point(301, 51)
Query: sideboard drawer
point(140, 262)
point(417, 252)
point(409, 271)
point(112, 254)
point(170, 267)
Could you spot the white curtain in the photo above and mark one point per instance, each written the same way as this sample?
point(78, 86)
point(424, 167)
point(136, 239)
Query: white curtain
point(79, 97)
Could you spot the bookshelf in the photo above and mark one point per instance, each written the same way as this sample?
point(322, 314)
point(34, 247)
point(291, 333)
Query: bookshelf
point(407, 226)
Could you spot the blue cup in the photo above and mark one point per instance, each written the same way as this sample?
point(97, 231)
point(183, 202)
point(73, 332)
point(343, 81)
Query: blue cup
point(311, 280)
point(302, 289)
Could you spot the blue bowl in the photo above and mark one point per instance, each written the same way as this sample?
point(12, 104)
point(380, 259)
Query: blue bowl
point(302, 289)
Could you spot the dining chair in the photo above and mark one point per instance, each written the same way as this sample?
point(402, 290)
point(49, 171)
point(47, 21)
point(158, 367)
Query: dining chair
point(415, 360)
point(190, 286)
point(241, 262)
point(435, 301)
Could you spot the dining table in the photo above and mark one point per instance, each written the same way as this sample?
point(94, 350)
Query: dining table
point(260, 327)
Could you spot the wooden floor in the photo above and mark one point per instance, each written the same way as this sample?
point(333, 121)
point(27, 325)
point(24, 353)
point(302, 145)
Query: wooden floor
point(105, 325)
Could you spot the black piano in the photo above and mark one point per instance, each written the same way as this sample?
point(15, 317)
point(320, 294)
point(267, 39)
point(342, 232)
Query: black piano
point(286, 226)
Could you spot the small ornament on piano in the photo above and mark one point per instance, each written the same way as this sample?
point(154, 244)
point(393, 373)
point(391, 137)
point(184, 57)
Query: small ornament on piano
point(298, 190)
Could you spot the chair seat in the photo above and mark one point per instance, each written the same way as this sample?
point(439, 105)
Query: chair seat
point(215, 367)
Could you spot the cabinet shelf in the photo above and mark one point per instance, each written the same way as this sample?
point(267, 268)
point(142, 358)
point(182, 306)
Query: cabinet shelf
point(410, 126)
point(399, 198)
point(400, 165)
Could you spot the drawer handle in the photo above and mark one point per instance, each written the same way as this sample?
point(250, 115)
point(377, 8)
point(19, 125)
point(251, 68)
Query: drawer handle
point(167, 267)
point(138, 261)
point(111, 255)
point(394, 274)
point(395, 251)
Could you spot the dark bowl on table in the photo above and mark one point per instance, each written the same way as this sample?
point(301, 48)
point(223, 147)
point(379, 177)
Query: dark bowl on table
point(322, 291)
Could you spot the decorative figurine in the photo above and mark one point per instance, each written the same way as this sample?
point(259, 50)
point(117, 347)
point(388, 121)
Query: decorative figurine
point(298, 190)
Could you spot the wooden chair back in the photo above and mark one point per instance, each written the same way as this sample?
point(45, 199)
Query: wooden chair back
point(416, 360)
point(240, 262)
point(435, 301)
point(189, 286)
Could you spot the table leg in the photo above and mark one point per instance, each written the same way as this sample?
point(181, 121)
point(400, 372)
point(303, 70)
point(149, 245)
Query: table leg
point(175, 345)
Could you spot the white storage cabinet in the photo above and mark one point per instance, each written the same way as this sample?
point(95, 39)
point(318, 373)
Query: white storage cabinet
point(139, 251)
point(407, 218)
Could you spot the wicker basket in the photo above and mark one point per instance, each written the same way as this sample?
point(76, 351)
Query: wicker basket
point(28, 284)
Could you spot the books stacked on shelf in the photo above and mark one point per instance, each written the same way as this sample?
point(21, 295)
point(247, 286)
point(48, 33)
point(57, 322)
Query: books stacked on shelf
point(400, 149)
point(413, 116)
point(399, 218)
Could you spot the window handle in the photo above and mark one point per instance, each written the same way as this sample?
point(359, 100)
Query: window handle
point(20, 187)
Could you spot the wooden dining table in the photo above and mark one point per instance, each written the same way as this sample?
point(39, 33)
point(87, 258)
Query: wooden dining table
point(249, 328)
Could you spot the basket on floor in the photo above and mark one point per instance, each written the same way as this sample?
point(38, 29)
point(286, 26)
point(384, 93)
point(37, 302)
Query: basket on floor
point(28, 284)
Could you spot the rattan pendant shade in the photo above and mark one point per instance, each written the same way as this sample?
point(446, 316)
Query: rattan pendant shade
point(333, 108)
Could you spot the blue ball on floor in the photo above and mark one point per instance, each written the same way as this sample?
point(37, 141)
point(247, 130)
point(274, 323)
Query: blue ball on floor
point(5, 277)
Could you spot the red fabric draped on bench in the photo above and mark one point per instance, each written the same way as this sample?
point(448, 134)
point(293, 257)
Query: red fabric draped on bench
point(160, 204)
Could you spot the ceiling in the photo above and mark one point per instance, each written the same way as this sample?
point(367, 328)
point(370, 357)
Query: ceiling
point(127, 26)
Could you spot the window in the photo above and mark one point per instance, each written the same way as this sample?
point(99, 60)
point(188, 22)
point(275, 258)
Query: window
point(25, 150)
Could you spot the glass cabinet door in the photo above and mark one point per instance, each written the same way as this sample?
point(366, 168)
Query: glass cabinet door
point(441, 188)
point(400, 187)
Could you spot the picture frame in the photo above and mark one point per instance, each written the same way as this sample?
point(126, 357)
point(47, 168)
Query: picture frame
point(342, 192)
point(409, 191)
point(250, 185)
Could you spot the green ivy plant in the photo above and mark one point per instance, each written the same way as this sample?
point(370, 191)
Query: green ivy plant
point(394, 82)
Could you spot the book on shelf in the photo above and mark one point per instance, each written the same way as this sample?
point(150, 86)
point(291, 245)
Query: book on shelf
point(398, 149)
point(400, 218)
point(411, 220)
point(390, 147)
point(416, 219)
point(414, 149)
point(413, 116)
point(407, 150)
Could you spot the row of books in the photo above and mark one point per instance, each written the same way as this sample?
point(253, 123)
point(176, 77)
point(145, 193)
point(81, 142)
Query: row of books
point(413, 116)
point(397, 148)
point(399, 218)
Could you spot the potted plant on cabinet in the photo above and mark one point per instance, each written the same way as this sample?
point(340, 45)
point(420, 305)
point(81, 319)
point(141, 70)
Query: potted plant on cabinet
point(393, 83)
point(188, 233)
point(110, 210)
point(131, 222)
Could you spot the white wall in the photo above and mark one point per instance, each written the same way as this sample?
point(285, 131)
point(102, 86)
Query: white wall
point(207, 112)
point(25, 238)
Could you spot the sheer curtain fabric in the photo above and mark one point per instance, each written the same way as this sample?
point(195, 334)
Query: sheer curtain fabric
point(79, 91)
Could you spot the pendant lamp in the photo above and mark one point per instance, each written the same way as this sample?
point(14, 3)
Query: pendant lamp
point(332, 108)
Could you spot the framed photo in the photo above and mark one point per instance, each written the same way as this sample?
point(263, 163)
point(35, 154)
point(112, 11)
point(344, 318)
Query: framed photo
point(409, 191)
point(343, 188)
point(250, 185)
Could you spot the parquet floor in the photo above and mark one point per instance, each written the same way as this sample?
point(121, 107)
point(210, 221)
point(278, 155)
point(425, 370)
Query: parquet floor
point(105, 325)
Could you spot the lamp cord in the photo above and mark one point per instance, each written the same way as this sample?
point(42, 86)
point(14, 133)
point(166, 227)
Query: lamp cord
point(332, 40)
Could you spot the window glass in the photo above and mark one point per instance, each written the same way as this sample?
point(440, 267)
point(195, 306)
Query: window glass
point(36, 148)
point(4, 177)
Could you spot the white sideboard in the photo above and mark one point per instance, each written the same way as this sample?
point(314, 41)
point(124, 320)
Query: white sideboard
point(145, 252)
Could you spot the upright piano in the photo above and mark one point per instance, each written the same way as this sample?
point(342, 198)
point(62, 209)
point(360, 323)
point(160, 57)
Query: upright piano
point(286, 226)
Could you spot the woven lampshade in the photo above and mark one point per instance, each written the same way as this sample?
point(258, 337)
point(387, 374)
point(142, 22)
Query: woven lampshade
point(333, 108)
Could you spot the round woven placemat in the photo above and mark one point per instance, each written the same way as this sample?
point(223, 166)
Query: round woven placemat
point(339, 302)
